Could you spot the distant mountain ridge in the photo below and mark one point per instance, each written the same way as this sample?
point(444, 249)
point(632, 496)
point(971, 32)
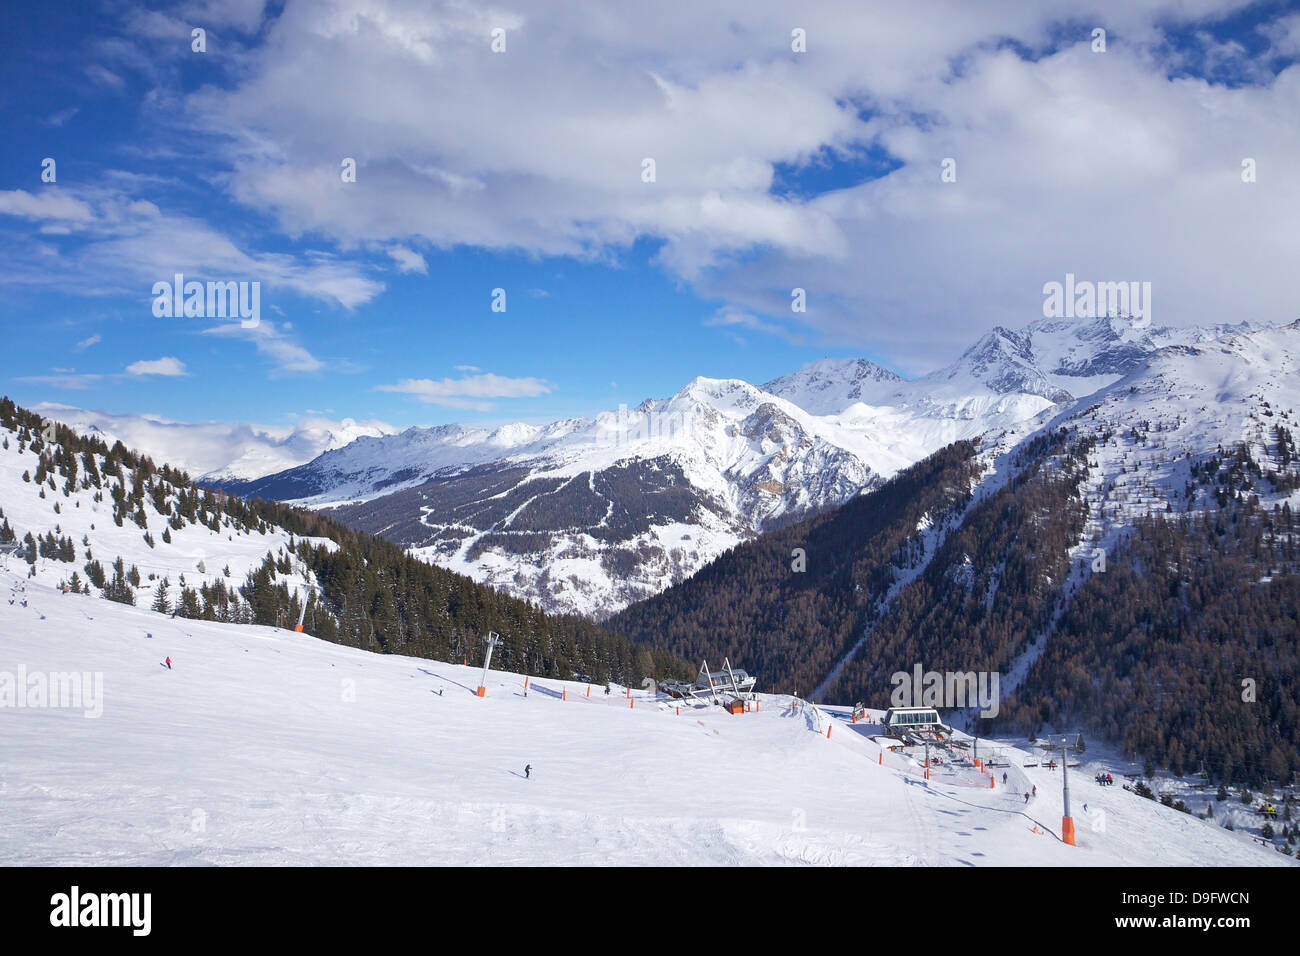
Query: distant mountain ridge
point(608, 510)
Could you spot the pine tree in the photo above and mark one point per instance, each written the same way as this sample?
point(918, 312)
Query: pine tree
point(117, 589)
point(190, 606)
point(160, 602)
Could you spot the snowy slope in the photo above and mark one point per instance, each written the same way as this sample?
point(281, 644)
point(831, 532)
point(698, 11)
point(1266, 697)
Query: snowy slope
point(195, 551)
point(1185, 404)
point(266, 747)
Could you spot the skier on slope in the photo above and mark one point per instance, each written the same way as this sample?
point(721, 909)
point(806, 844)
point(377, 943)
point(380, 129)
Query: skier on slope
point(528, 769)
point(1035, 789)
point(1026, 796)
point(1004, 780)
point(169, 663)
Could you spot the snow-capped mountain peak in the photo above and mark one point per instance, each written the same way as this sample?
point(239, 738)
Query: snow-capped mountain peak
point(832, 385)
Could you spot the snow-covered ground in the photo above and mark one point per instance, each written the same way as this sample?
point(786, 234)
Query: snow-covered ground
point(262, 746)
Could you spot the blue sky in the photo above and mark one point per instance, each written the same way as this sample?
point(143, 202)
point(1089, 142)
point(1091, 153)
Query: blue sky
point(522, 170)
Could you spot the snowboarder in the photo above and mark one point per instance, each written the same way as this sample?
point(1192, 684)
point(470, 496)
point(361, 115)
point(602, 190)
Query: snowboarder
point(528, 768)
point(169, 663)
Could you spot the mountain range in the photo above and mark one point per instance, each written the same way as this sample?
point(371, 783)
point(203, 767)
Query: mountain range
point(589, 515)
point(1128, 563)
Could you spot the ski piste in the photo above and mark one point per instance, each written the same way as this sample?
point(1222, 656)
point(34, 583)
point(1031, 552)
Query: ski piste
point(264, 749)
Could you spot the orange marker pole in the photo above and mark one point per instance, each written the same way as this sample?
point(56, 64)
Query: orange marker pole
point(828, 733)
point(588, 690)
point(564, 693)
point(629, 693)
point(1067, 830)
point(525, 683)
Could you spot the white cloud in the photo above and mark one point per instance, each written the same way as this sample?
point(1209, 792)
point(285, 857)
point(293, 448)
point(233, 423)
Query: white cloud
point(243, 449)
point(1284, 35)
point(104, 77)
point(1100, 164)
point(270, 341)
point(167, 365)
point(49, 205)
point(88, 342)
point(728, 317)
point(125, 244)
point(78, 382)
point(62, 116)
point(469, 392)
point(408, 260)
point(1067, 158)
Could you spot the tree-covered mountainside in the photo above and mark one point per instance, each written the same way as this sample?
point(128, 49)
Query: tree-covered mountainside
point(991, 586)
point(359, 590)
point(788, 605)
point(1182, 644)
point(1187, 649)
